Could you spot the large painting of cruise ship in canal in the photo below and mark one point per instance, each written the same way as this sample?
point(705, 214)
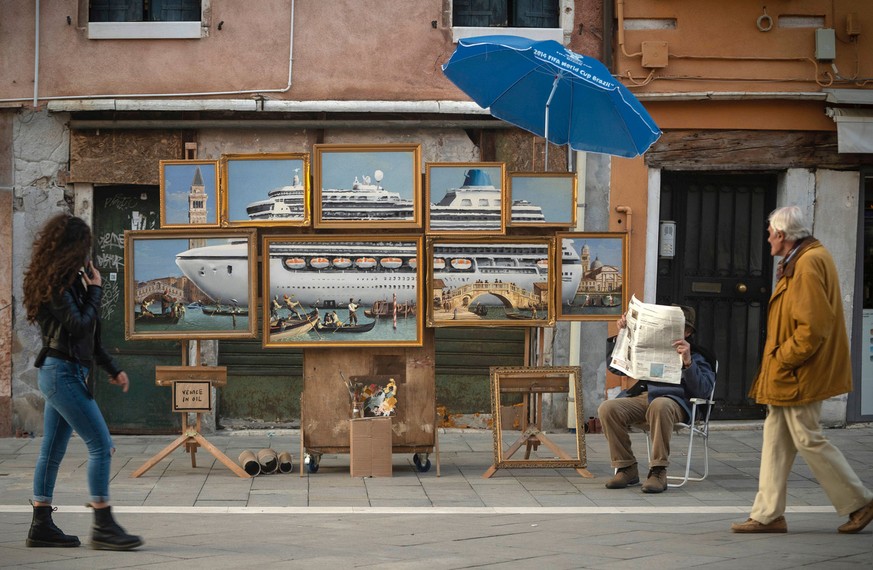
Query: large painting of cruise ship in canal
point(322, 291)
point(601, 293)
point(163, 273)
point(504, 281)
point(367, 186)
point(266, 189)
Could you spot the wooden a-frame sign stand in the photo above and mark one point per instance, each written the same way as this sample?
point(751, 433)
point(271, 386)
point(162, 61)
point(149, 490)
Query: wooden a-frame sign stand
point(192, 389)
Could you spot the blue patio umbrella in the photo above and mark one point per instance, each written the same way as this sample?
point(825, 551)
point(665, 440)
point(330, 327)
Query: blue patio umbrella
point(560, 95)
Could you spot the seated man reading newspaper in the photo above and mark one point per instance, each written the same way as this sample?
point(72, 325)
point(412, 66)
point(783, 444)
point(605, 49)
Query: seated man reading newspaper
point(654, 346)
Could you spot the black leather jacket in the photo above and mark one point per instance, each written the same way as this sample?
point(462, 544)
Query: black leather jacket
point(70, 327)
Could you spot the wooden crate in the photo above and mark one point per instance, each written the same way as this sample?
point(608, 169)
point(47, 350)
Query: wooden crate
point(325, 407)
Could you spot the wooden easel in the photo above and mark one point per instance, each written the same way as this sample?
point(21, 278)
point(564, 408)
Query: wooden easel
point(532, 389)
point(191, 437)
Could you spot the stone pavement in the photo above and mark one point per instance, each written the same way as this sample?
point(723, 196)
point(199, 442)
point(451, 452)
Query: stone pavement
point(520, 518)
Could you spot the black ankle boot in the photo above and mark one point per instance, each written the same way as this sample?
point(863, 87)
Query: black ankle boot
point(108, 535)
point(43, 531)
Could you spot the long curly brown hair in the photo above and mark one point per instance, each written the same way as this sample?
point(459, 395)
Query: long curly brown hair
point(59, 252)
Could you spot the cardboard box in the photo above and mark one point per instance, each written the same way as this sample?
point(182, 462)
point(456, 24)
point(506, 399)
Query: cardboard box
point(370, 447)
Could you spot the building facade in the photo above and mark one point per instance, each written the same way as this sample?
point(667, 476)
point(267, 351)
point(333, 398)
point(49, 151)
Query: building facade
point(759, 107)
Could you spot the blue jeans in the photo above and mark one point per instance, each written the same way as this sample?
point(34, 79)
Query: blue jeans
point(69, 406)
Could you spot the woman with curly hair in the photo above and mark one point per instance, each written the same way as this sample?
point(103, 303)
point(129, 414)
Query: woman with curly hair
point(62, 294)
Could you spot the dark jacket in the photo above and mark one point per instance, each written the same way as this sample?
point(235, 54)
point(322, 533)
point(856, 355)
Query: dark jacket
point(697, 381)
point(70, 326)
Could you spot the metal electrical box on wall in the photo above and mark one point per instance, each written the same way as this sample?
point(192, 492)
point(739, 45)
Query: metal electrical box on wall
point(825, 44)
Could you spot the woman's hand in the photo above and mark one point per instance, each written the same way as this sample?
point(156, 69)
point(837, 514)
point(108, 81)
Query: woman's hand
point(95, 278)
point(120, 379)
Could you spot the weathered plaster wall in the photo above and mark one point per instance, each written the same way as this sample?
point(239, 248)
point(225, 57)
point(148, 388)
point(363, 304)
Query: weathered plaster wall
point(836, 224)
point(40, 145)
point(829, 200)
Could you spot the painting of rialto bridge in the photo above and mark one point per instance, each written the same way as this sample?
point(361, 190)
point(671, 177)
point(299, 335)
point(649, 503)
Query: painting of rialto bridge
point(489, 300)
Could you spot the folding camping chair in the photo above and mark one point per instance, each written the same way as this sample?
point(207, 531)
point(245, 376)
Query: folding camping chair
point(697, 426)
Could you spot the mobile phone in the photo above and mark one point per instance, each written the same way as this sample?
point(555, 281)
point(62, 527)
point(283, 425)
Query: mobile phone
point(86, 269)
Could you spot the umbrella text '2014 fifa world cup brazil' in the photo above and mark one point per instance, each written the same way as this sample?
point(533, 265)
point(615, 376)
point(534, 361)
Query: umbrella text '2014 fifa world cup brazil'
point(555, 93)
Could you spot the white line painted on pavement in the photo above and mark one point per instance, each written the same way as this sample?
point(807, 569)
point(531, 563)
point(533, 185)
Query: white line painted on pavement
point(421, 510)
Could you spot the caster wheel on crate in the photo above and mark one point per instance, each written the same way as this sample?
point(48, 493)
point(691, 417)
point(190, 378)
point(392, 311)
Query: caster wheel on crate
point(422, 467)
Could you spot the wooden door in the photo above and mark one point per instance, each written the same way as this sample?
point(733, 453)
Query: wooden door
point(146, 408)
point(722, 267)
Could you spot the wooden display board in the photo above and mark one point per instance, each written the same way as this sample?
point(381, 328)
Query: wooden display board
point(325, 407)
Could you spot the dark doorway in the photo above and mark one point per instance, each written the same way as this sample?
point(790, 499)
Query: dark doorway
point(722, 267)
point(146, 408)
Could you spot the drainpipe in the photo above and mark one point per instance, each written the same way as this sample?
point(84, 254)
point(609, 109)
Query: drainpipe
point(36, 56)
point(136, 95)
point(628, 215)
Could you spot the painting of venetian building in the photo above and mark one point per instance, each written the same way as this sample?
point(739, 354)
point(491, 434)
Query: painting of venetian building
point(600, 294)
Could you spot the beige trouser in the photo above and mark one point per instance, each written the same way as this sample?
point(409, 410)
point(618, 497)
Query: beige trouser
point(616, 417)
point(787, 431)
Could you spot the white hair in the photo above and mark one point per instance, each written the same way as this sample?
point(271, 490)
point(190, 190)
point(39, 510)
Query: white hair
point(790, 221)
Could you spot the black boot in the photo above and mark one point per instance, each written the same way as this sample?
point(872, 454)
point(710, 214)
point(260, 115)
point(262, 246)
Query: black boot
point(43, 531)
point(108, 535)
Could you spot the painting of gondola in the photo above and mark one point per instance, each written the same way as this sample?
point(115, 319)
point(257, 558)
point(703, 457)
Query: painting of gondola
point(189, 193)
point(601, 292)
point(541, 199)
point(266, 189)
point(342, 290)
point(465, 198)
point(190, 284)
point(501, 281)
point(367, 186)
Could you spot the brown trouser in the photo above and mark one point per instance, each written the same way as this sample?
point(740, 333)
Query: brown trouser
point(616, 417)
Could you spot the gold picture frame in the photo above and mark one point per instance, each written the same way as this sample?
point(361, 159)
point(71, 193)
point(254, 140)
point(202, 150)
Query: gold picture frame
point(190, 196)
point(265, 189)
point(360, 187)
point(516, 406)
point(594, 276)
point(490, 281)
point(541, 199)
point(190, 284)
point(309, 282)
point(465, 198)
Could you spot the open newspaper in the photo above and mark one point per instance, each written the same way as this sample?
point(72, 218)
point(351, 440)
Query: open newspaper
point(644, 348)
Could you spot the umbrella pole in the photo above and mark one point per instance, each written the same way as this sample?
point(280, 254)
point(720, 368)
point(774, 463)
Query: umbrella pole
point(548, 104)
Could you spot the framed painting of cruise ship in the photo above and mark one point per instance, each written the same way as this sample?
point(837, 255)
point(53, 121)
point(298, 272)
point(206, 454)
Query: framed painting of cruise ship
point(367, 186)
point(342, 290)
point(499, 281)
point(541, 199)
point(266, 189)
point(190, 284)
point(593, 270)
point(465, 198)
point(189, 193)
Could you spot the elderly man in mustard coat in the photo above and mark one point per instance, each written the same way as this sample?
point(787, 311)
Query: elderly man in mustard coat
point(806, 360)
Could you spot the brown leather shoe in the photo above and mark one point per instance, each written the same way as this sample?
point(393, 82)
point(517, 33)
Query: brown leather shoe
point(656, 482)
point(625, 476)
point(858, 520)
point(751, 525)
